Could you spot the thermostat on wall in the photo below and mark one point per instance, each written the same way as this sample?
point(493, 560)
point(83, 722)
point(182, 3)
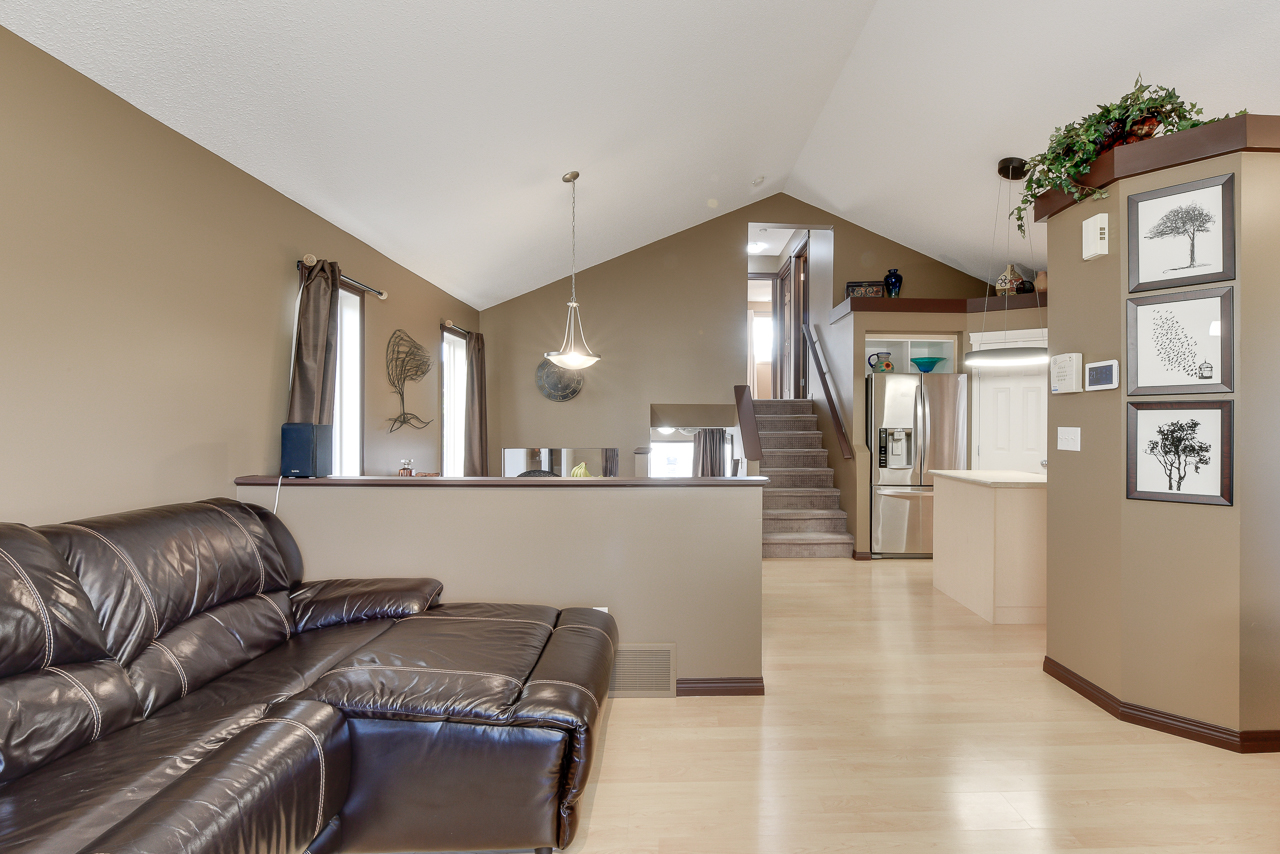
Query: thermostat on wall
point(1095, 237)
point(1101, 375)
point(1064, 373)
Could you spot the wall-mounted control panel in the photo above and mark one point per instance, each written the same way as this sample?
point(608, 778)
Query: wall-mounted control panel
point(1102, 375)
point(1095, 237)
point(1064, 373)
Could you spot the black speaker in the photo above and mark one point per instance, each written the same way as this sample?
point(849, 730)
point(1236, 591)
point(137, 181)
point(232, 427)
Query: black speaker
point(306, 450)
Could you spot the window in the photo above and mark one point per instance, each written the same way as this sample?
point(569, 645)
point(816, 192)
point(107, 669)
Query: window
point(453, 404)
point(671, 459)
point(762, 337)
point(348, 405)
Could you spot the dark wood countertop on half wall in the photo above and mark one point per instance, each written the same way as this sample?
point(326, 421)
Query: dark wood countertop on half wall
point(850, 305)
point(500, 482)
point(1238, 133)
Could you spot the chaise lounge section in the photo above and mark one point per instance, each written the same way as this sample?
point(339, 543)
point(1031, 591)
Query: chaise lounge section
point(171, 684)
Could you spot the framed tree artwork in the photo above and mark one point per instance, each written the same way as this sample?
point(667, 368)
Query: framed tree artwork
point(1183, 235)
point(1181, 343)
point(1180, 451)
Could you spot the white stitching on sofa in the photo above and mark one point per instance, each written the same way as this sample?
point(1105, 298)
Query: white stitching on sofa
point(137, 576)
point(485, 619)
point(593, 628)
point(182, 674)
point(287, 633)
point(94, 708)
point(426, 670)
point(319, 749)
point(44, 614)
point(262, 569)
point(570, 684)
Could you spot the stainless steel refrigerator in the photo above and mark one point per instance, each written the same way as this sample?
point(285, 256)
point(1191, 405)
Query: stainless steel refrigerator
point(915, 423)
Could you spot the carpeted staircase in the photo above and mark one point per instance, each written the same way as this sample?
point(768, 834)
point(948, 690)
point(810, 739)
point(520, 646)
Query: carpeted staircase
point(802, 515)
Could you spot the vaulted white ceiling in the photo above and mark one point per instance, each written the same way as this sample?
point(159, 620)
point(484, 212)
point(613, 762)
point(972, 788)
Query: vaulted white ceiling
point(438, 132)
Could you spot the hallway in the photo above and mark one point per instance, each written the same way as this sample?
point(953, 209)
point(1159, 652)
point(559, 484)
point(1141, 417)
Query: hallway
point(897, 720)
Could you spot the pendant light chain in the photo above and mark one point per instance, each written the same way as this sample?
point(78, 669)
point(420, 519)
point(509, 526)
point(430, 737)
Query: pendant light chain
point(573, 230)
point(569, 356)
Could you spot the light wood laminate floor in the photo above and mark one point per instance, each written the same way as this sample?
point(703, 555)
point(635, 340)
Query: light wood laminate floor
point(896, 720)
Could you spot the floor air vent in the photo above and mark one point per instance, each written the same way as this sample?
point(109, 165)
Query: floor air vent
point(644, 670)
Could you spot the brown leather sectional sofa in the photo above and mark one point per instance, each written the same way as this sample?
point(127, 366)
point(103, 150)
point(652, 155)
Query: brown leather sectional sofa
point(168, 683)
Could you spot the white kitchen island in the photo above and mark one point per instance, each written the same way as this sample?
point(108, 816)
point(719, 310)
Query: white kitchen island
point(989, 542)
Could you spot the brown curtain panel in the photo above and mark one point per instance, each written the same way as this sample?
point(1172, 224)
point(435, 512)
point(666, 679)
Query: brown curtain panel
point(475, 459)
point(609, 462)
point(708, 452)
point(315, 356)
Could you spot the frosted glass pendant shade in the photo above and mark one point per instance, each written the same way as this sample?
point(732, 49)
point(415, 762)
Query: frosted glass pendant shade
point(1006, 357)
point(574, 354)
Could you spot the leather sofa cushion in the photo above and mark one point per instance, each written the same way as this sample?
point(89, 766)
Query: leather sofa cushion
point(347, 600)
point(208, 645)
point(270, 789)
point(46, 617)
point(465, 662)
point(60, 690)
point(62, 807)
point(147, 571)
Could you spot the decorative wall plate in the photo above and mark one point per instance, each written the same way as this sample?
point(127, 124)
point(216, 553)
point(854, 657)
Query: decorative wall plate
point(557, 383)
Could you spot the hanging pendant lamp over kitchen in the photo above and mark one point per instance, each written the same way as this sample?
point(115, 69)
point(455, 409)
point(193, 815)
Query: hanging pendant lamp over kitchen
point(1009, 169)
point(574, 353)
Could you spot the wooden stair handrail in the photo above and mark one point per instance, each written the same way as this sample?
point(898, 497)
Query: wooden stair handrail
point(747, 421)
point(845, 448)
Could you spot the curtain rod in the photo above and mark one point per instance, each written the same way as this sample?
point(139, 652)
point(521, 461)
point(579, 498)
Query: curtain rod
point(352, 282)
point(450, 326)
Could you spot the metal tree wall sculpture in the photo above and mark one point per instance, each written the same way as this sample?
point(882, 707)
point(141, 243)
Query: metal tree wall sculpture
point(407, 361)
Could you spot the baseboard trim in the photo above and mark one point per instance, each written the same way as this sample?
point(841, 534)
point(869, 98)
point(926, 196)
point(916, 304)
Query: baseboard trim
point(724, 686)
point(1248, 741)
point(862, 555)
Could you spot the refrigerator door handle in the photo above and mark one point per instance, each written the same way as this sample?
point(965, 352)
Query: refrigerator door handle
point(922, 417)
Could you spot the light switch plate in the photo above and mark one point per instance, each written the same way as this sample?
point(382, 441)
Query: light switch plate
point(1068, 438)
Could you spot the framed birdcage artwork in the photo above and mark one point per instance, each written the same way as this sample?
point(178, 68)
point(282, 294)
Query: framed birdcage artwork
point(1181, 342)
point(1180, 451)
point(1183, 235)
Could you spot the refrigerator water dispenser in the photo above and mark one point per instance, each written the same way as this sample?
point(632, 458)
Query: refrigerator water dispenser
point(897, 448)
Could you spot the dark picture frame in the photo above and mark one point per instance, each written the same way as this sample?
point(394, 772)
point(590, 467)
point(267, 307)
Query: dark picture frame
point(1225, 362)
point(1224, 229)
point(1223, 410)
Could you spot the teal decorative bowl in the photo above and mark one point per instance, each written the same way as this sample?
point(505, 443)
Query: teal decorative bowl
point(927, 363)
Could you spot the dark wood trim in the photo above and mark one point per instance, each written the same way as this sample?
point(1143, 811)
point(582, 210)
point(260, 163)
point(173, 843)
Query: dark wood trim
point(501, 482)
point(1238, 133)
point(721, 686)
point(862, 556)
point(747, 423)
point(936, 306)
point(1249, 741)
point(842, 436)
point(1227, 434)
point(1226, 356)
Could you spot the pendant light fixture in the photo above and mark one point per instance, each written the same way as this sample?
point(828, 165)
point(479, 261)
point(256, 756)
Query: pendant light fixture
point(573, 355)
point(1010, 169)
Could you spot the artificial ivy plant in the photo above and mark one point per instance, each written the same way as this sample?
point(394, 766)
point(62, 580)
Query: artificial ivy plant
point(1145, 112)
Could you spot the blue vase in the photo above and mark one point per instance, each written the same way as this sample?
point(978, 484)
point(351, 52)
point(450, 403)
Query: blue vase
point(893, 283)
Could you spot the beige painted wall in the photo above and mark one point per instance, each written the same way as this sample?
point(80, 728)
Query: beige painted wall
point(674, 564)
point(669, 319)
point(1171, 606)
point(148, 296)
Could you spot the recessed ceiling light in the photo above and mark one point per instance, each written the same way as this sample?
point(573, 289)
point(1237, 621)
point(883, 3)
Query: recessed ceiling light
point(756, 248)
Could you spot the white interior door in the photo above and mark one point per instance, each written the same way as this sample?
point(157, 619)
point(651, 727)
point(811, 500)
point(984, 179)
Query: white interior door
point(1010, 416)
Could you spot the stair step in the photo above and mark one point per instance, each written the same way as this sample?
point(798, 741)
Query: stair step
point(805, 521)
point(791, 439)
point(794, 458)
point(807, 545)
point(801, 499)
point(784, 423)
point(783, 407)
point(797, 477)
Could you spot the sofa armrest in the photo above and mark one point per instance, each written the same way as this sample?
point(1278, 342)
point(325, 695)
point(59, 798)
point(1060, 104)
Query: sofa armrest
point(334, 601)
